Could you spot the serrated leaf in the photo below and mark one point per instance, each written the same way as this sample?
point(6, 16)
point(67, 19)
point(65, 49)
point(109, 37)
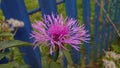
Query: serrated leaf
point(12, 43)
point(6, 34)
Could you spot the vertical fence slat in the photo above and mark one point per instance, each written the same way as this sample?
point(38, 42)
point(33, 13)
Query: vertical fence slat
point(115, 20)
point(119, 14)
point(71, 8)
point(48, 6)
point(102, 43)
point(86, 20)
point(119, 11)
point(116, 13)
point(64, 62)
point(108, 37)
point(16, 9)
point(104, 24)
point(96, 29)
point(71, 11)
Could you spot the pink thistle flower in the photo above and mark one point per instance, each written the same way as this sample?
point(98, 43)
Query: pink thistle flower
point(55, 32)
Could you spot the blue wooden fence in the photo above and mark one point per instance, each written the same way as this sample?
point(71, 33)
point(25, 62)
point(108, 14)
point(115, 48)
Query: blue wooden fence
point(102, 37)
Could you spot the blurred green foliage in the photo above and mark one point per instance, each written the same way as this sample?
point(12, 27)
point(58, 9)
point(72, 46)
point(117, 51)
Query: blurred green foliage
point(31, 4)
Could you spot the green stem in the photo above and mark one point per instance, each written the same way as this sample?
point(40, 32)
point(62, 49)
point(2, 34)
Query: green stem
point(16, 31)
point(57, 54)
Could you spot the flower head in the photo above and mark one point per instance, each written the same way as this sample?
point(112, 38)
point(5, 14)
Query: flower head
point(55, 32)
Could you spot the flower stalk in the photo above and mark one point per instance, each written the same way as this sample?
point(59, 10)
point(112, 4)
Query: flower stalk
point(57, 54)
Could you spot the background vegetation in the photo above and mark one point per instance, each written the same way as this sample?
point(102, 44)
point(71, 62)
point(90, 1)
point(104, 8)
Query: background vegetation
point(31, 4)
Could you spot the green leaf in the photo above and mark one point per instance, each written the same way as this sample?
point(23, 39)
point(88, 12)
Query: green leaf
point(2, 55)
point(24, 66)
point(55, 65)
point(13, 65)
point(45, 62)
point(44, 49)
point(68, 57)
point(12, 43)
point(6, 34)
point(8, 65)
